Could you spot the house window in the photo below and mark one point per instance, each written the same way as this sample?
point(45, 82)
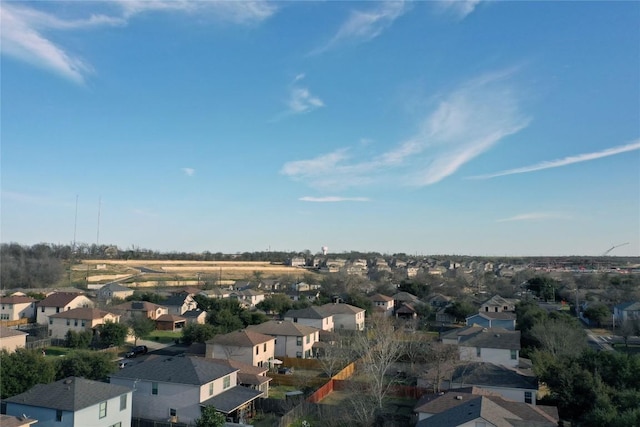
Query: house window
point(295, 320)
point(83, 323)
point(75, 322)
point(514, 354)
point(505, 308)
point(154, 388)
point(264, 348)
point(528, 397)
point(68, 322)
point(299, 354)
point(226, 382)
point(210, 389)
point(308, 339)
point(58, 415)
point(257, 349)
point(57, 309)
point(103, 409)
point(42, 309)
point(123, 402)
point(495, 309)
point(478, 351)
point(299, 341)
point(173, 412)
point(50, 321)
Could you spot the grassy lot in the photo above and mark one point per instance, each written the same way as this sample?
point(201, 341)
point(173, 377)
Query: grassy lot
point(57, 351)
point(164, 336)
point(278, 391)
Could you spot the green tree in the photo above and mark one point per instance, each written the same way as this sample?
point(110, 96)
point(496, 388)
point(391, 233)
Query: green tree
point(22, 369)
point(75, 339)
point(461, 310)
point(210, 417)
point(113, 334)
point(92, 365)
point(276, 303)
point(197, 333)
point(597, 312)
point(141, 326)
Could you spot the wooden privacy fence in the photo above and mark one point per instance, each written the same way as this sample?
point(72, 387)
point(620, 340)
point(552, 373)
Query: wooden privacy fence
point(294, 362)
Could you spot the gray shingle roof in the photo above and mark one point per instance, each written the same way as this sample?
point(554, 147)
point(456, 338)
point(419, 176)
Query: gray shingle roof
point(307, 313)
point(69, 394)
point(243, 338)
point(284, 328)
point(230, 400)
point(177, 369)
point(341, 308)
point(491, 375)
point(82, 313)
point(115, 287)
point(9, 332)
point(477, 336)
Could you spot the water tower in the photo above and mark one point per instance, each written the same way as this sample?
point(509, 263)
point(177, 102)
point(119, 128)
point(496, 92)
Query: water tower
point(325, 250)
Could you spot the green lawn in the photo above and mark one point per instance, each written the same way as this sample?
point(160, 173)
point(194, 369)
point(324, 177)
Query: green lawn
point(57, 351)
point(277, 392)
point(164, 336)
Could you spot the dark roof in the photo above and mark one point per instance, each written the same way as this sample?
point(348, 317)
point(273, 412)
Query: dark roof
point(477, 336)
point(82, 313)
point(242, 338)
point(58, 299)
point(69, 394)
point(406, 297)
point(230, 400)
point(501, 315)
point(114, 287)
point(193, 313)
point(176, 299)
point(308, 313)
point(170, 318)
point(16, 300)
point(380, 297)
point(284, 328)
point(341, 308)
point(137, 305)
point(491, 375)
point(177, 369)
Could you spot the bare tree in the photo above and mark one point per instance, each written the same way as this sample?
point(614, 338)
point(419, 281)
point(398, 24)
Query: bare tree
point(442, 360)
point(560, 337)
point(378, 348)
point(332, 359)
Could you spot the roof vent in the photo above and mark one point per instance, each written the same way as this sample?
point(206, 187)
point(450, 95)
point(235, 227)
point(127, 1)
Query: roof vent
point(497, 335)
point(68, 381)
point(485, 330)
point(458, 397)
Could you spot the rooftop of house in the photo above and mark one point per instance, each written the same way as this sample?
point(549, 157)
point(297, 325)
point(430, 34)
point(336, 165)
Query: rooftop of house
point(16, 300)
point(176, 299)
point(492, 375)
point(406, 297)
point(196, 312)
point(114, 287)
point(340, 308)
point(477, 336)
point(10, 332)
point(492, 315)
point(628, 306)
point(308, 313)
point(190, 370)
point(82, 313)
point(232, 399)
point(499, 301)
point(170, 318)
point(69, 394)
point(380, 297)
point(58, 299)
point(283, 328)
point(242, 338)
point(137, 306)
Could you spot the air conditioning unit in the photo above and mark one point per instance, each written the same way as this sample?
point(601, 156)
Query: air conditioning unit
point(173, 419)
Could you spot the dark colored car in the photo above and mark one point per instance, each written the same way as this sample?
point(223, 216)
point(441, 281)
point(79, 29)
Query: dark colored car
point(136, 351)
point(285, 371)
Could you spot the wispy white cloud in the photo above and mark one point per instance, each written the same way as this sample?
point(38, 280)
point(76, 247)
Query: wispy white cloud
point(536, 216)
point(333, 199)
point(300, 100)
point(189, 171)
point(459, 8)
point(465, 124)
point(26, 30)
point(635, 145)
point(365, 25)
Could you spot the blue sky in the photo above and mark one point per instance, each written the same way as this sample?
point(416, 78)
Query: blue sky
point(456, 127)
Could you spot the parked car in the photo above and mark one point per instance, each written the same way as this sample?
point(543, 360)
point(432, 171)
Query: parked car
point(136, 351)
point(285, 371)
point(122, 364)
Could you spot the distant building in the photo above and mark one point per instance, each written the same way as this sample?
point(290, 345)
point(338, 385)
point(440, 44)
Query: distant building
point(246, 346)
point(12, 339)
point(78, 320)
point(60, 302)
point(17, 307)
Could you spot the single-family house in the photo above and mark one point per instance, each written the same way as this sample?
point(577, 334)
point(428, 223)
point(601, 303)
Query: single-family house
point(176, 388)
point(405, 297)
point(442, 316)
point(498, 304)
point(217, 292)
point(78, 320)
point(179, 303)
point(58, 302)
point(345, 316)
point(465, 409)
point(311, 316)
point(139, 308)
point(113, 290)
point(492, 345)
point(491, 319)
point(382, 304)
point(248, 298)
point(626, 311)
point(297, 262)
point(507, 382)
point(246, 346)
point(291, 339)
point(196, 316)
point(12, 339)
point(74, 402)
point(17, 307)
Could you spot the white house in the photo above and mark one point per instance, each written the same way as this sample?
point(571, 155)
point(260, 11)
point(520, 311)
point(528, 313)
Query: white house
point(78, 320)
point(246, 346)
point(17, 307)
point(626, 311)
point(113, 290)
point(345, 316)
point(311, 316)
point(176, 388)
point(140, 308)
point(382, 304)
point(492, 345)
point(179, 303)
point(248, 298)
point(74, 402)
point(498, 304)
point(291, 339)
point(58, 302)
